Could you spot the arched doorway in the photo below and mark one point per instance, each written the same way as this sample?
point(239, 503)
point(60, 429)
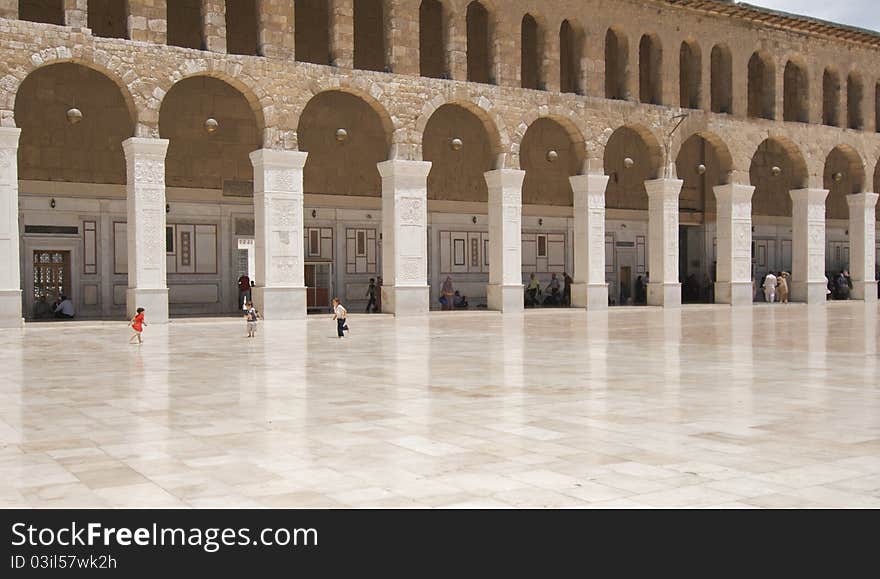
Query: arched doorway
point(73, 120)
point(651, 70)
point(831, 98)
point(762, 86)
point(796, 93)
point(632, 157)
point(461, 142)
point(844, 175)
point(551, 152)
point(346, 136)
point(690, 75)
point(722, 79)
point(531, 60)
point(777, 168)
point(703, 163)
point(432, 46)
point(212, 128)
point(479, 44)
point(616, 65)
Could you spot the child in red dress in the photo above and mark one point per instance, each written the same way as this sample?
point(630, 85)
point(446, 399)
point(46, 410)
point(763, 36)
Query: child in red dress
point(137, 324)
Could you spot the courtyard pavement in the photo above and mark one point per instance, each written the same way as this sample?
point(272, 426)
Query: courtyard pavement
point(771, 406)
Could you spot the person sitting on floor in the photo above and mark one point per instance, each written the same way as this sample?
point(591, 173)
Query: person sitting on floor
point(64, 309)
point(459, 301)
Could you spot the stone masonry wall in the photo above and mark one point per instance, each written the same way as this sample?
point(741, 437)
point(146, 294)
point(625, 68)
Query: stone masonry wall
point(278, 88)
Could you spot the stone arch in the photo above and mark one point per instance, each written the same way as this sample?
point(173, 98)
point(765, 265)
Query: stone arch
point(459, 142)
point(480, 42)
point(547, 177)
point(137, 106)
point(202, 159)
point(258, 99)
point(690, 78)
point(616, 65)
point(493, 123)
point(312, 31)
point(831, 98)
point(53, 149)
point(571, 50)
point(365, 90)
point(626, 186)
point(432, 39)
point(796, 92)
point(721, 79)
point(777, 167)
point(651, 69)
point(762, 86)
point(855, 89)
point(343, 163)
point(532, 44)
point(844, 175)
point(703, 162)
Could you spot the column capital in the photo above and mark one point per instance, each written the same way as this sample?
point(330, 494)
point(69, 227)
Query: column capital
point(143, 146)
point(278, 158)
point(862, 200)
point(505, 178)
point(734, 192)
point(590, 183)
point(664, 188)
point(401, 168)
point(811, 196)
point(9, 137)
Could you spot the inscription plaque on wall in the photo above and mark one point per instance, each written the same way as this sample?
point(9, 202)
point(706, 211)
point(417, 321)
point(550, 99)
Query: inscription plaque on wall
point(238, 188)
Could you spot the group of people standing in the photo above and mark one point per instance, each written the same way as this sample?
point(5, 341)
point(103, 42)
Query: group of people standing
point(776, 287)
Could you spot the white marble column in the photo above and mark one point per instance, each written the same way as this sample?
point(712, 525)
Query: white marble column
point(589, 289)
point(505, 292)
point(808, 245)
point(147, 285)
point(862, 248)
point(279, 292)
point(664, 289)
point(733, 283)
point(405, 290)
point(10, 274)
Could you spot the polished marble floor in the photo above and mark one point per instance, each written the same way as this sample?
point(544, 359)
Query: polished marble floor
point(775, 406)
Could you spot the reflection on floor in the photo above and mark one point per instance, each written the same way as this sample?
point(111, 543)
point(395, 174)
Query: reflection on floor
point(775, 406)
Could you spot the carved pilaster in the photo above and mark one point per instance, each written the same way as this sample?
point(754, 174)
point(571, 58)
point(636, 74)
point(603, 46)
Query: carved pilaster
point(862, 240)
point(505, 240)
point(589, 290)
point(808, 245)
point(734, 232)
point(405, 288)
point(664, 288)
point(278, 233)
point(147, 286)
point(10, 274)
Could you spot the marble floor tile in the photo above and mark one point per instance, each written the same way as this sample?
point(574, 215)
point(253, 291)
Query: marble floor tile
point(630, 408)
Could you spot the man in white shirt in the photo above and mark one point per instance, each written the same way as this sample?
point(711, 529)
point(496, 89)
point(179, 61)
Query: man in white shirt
point(64, 309)
point(340, 314)
point(770, 288)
